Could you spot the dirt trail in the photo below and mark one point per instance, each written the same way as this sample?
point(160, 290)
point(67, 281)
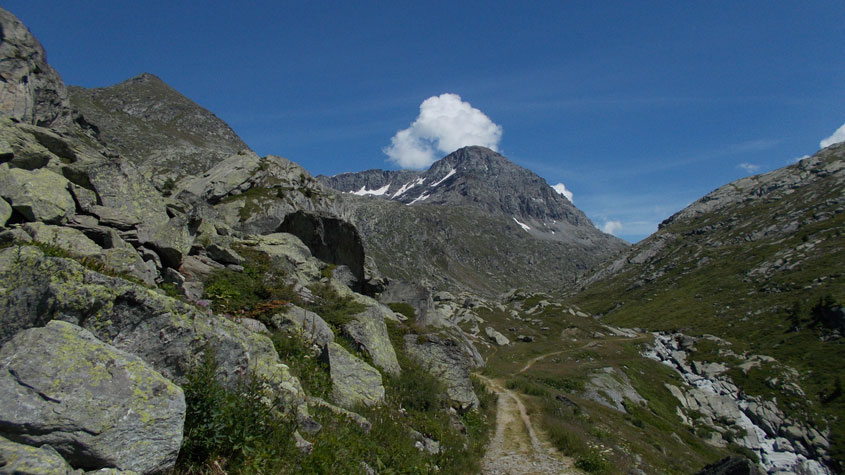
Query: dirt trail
point(516, 447)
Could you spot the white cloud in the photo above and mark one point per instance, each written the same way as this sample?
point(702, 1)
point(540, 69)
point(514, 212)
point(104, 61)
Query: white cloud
point(561, 188)
point(749, 167)
point(610, 227)
point(838, 136)
point(445, 124)
point(797, 159)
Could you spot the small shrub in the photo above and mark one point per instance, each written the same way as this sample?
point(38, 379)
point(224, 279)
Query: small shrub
point(592, 461)
point(404, 309)
point(240, 427)
point(334, 308)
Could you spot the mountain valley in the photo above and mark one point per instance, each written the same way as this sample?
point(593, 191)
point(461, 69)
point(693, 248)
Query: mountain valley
point(172, 302)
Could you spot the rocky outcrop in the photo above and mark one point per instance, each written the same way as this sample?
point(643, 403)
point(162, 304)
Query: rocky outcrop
point(612, 388)
point(30, 90)
point(302, 322)
point(330, 239)
point(444, 359)
point(38, 195)
point(98, 406)
point(369, 332)
point(782, 445)
point(497, 337)
point(20, 459)
point(165, 333)
point(160, 131)
point(354, 382)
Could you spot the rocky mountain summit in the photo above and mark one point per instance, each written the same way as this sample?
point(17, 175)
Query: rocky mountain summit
point(163, 133)
point(491, 224)
point(480, 178)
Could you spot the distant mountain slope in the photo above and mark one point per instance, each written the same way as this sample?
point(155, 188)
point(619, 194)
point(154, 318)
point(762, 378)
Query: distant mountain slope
point(159, 130)
point(758, 262)
point(480, 178)
point(475, 220)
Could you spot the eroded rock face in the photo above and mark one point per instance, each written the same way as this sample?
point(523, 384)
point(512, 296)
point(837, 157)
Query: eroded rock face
point(445, 360)
point(30, 91)
point(98, 406)
point(354, 382)
point(330, 239)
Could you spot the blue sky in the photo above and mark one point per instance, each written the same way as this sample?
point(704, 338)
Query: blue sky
point(639, 108)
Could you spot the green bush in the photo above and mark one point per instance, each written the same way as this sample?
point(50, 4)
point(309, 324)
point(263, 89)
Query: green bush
point(592, 461)
point(257, 291)
point(334, 308)
point(312, 372)
point(241, 428)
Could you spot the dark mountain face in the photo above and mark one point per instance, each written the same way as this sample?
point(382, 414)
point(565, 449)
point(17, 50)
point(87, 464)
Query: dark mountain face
point(473, 219)
point(480, 178)
point(159, 130)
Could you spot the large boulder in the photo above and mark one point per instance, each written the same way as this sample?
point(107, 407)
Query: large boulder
point(38, 195)
point(98, 406)
point(30, 91)
point(166, 333)
point(20, 459)
point(369, 332)
point(354, 382)
point(497, 337)
point(330, 239)
point(290, 253)
point(69, 239)
point(311, 326)
point(5, 212)
point(224, 178)
point(445, 360)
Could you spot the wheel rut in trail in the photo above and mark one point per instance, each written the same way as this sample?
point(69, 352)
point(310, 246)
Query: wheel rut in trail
point(517, 448)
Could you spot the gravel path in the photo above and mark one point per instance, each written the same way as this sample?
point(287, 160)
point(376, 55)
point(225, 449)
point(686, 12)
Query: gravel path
point(516, 447)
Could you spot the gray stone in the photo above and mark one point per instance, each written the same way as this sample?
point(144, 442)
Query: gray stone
point(611, 388)
point(198, 269)
point(166, 333)
point(69, 239)
point(254, 326)
point(20, 459)
point(311, 326)
point(5, 212)
point(445, 360)
point(96, 405)
point(354, 382)
point(31, 90)
point(500, 339)
point(13, 235)
point(302, 445)
point(369, 332)
point(171, 240)
point(38, 195)
point(223, 178)
point(224, 255)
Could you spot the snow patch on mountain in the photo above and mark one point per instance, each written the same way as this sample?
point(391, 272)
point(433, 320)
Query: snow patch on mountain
point(364, 191)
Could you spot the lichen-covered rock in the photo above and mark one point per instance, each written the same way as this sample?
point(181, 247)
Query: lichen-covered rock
point(291, 253)
point(171, 240)
point(354, 382)
point(5, 212)
point(494, 335)
point(311, 326)
point(127, 199)
point(96, 405)
point(369, 331)
point(20, 459)
point(224, 177)
point(38, 195)
point(166, 333)
point(69, 239)
point(445, 360)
